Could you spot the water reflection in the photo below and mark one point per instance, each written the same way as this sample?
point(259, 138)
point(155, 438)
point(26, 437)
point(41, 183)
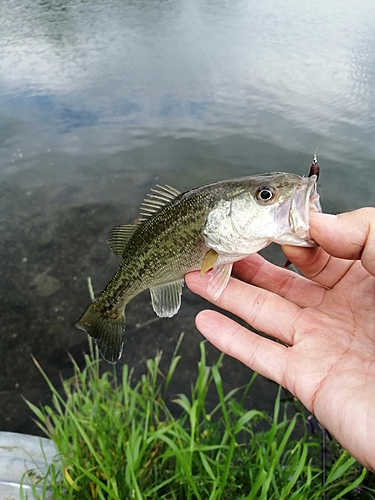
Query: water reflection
point(284, 71)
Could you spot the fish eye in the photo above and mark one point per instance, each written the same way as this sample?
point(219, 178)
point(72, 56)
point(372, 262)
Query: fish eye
point(265, 194)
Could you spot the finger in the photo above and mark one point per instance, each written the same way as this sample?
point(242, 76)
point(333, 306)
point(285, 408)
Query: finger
point(288, 284)
point(263, 310)
point(342, 238)
point(258, 353)
point(347, 236)
point(317, 265)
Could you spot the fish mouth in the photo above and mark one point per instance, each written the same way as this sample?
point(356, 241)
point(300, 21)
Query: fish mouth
point(305, 200)
point(312, 196)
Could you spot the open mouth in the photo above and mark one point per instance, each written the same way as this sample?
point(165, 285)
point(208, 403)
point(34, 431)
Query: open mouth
point(305, 200)
point(312, 196)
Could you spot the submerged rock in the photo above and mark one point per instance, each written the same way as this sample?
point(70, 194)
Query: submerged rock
point(46, 285)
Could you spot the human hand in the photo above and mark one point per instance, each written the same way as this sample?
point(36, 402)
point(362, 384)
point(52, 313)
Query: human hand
point(327, 320)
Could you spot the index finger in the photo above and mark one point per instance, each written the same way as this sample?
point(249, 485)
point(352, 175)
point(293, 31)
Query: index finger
point(263, 310)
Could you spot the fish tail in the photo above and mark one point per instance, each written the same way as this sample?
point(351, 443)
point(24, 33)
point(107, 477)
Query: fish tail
point(108, 332)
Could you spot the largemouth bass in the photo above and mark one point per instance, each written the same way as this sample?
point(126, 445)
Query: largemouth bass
point(207, 228)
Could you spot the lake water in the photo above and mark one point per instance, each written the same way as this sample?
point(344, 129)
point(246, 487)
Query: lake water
point(99, 101)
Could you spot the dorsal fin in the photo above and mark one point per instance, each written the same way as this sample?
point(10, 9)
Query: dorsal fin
point(157, 199)
point(119, 236)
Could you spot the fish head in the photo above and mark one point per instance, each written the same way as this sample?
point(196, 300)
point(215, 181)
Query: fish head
point(262, 209)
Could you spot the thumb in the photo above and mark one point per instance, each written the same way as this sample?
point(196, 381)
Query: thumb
point(347, 236)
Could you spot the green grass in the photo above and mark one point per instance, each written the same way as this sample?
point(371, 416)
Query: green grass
point(117, 439)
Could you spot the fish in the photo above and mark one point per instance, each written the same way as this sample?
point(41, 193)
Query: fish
point(207, 228)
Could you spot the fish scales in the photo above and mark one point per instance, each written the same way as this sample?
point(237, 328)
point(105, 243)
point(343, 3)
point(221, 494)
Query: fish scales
point(161, 247)
point(204, 228)
point(170, 242)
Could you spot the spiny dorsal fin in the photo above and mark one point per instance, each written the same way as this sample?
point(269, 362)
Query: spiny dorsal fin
point(119, 236)
point(157, 199)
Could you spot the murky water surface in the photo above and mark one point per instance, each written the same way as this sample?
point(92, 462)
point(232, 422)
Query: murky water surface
point(101, 100)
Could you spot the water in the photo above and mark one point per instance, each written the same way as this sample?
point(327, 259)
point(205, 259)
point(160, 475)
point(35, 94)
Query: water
point(101, 100)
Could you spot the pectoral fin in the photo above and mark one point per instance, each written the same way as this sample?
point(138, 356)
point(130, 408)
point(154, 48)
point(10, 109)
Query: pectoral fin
point(208, 261)
point(219, 277)
point(166, 299)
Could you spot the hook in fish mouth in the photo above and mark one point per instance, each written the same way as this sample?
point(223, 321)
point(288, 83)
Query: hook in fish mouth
point(312, 198)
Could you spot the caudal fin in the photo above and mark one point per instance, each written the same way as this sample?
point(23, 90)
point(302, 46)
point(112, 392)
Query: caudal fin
point(108, 333)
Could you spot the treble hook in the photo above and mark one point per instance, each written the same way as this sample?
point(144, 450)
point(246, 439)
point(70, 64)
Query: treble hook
point(315, 168)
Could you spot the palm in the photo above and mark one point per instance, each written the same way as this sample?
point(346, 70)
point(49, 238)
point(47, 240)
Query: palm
point(328, 322)
point(333, 337)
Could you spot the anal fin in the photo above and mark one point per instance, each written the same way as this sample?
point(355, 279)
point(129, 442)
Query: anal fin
point(219, 277)
point(166, 299)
